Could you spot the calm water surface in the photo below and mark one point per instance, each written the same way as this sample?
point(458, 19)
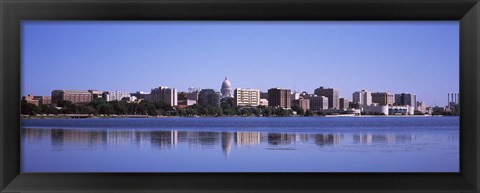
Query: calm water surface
point(290, 144)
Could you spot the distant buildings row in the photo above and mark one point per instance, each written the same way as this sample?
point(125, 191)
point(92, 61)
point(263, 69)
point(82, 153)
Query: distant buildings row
point(322, 98)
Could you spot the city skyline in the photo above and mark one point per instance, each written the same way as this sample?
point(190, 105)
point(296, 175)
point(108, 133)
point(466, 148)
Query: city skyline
point(301, 56)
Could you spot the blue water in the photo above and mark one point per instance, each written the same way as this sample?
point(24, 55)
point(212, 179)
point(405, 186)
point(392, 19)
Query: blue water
point(289, 144)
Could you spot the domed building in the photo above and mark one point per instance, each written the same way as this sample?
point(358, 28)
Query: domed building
point(226, 88)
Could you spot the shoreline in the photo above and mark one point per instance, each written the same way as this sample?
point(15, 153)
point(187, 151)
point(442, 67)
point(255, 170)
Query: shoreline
point(74, 116)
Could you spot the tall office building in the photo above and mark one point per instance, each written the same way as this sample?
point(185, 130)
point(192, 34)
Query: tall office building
point(332, 94)
point(247, 97)
point(344, 103)
point(382, 98)
point(362, 98)
point(406, 99)
point(226, 88)
point(303, 103)
point(164, 94)
point(278, 97)
point(317, 102)
point(209, 97)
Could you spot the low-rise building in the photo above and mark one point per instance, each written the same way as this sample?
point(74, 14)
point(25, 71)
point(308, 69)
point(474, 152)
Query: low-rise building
point(30, 99)
point(115, 95)
point(43, 100)
point(421, 107)
point(263, 102)
point(401, 110)
point(140, 95)
point(75, 96)
point(375, 109)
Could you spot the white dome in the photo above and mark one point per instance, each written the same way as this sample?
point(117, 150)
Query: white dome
point(226, 84)
point(226, 88)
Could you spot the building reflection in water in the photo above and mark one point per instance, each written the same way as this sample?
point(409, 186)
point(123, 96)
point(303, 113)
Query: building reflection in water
point(280, 138)
point(327, 139)
point(163, 139)
point(367, 139)
point(227, 139)
point(60, 139)
point(246, 139)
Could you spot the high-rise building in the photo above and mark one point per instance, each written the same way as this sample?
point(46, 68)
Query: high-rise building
point(209, 97)
point(226, 88)
point(317, 102)
point(247, 97)
point(164, 94)
point(362, 98)
point(382, 98)
point(332, 94)
point(344, 103)
point(302, 103)
point(278, 97)
point(115, 95)
point(406, 99)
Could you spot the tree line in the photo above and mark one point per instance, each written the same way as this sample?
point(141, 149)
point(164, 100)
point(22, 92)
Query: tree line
point(102, 107)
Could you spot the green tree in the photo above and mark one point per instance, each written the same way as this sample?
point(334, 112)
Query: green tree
point(28, 108)
point(105, 108)
point(308, 113)
point(300, 111)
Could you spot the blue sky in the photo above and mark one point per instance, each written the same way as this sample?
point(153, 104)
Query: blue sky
point(420, 57)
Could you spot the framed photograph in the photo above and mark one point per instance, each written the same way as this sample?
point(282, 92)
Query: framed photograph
point(195, 96)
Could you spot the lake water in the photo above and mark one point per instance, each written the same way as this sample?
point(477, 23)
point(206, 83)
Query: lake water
point(255, 144)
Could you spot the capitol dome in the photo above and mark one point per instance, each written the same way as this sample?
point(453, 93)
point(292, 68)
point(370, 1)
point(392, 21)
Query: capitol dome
point(226, 88)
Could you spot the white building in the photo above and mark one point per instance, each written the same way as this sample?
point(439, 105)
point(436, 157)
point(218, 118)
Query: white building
point(115, 95)
point(401, 110)
point(375, 110)
point(164, 94)
point(263, 102)
point(247, 97)
point(421, 107)
point(363, 98)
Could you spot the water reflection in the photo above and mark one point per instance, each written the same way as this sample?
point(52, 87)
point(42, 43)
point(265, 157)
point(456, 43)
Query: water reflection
point(368, 139)
point(61, 139)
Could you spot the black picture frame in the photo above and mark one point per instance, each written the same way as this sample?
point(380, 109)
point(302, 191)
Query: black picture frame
point(12, 12)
